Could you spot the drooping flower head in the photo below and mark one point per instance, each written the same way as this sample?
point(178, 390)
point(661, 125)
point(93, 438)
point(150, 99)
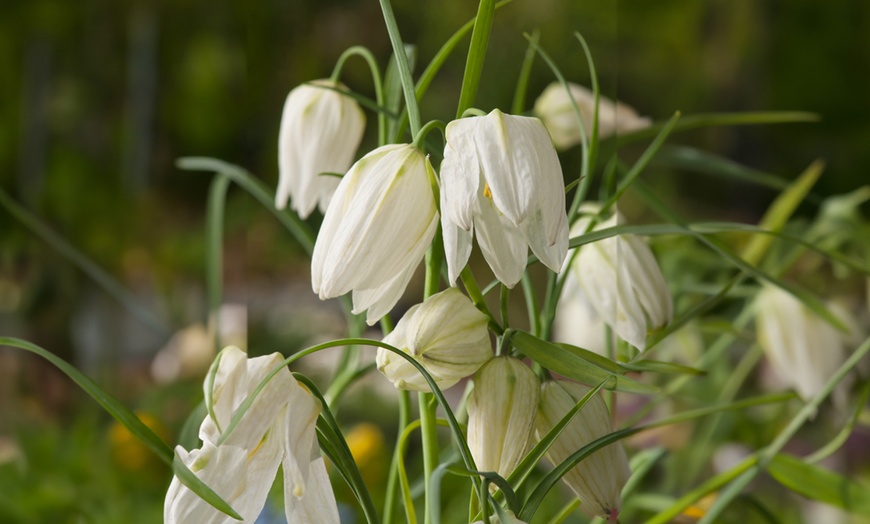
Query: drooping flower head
point(803, 349)
point(320, 132)
point(446, 334)
point(501, 414)
point(621, 280)
point(240, 464)
point(501, 176)
point(381, 221)
point(599, 478)
point(554, 108)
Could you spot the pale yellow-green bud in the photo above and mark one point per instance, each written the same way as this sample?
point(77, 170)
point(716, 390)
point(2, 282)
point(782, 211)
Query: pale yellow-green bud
point(598, 479)
point(501, 414)
point(446, 334)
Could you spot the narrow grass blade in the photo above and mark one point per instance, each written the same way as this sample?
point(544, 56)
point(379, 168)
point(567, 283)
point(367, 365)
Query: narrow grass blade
point(476, 55)
point(104, 399)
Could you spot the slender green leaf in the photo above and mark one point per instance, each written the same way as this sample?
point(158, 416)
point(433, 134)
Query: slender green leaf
point(660, 367)
point(562, 360)
point(476, 55)
point(342, 456)
point(641, 163)
point(690, 158)
point(256, 189)
point(112, 405)
point(780, 211)
point(214, 250)
point(393, 85)
point(820, 484)
point(721, 119)
point(519, 103)
point(413, 109)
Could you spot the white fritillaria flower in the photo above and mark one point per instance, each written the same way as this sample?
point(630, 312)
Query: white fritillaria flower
point(446, 334)
point(620, 278)
point(501, 414)
point(320, 132)
point(501, 176)
point(240, 466)
point(803, 349)
point(554, 108)
point(598, 479)
point(376, 231)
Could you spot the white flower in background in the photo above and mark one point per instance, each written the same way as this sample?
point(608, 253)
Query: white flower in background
point(501, 176)
point(554, 108)
point(577, 323)
point(320, 132)
point(598, 479)
point(803, 349)
point(501, 414)
point(277, 430)
point(377, 229)
point(446, 334)
point(620, 278)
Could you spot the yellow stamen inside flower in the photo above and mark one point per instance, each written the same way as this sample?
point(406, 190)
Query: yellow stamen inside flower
point(486, 191)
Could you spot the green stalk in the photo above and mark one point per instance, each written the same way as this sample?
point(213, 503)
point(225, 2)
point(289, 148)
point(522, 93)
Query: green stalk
point(404, 67)
point(476, 55)
point(376, 79)
point(214, 247)
point(393, 478)
point(429, 438)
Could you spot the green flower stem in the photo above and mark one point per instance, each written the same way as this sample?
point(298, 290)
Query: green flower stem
point(214, 247)
point(393, 478)
point(404, 422)
point(519, 103)
point(531, 304)
point(476, 55)
point(404, 67)
point(420, 137)
point(429, 438)
point(477, 298)
point(376, 79)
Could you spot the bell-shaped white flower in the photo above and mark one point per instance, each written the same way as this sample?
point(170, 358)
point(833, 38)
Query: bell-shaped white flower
point(501, 176)
point(501, 414)
point(240, 464)
point(554, 108)
point(803, 349)
point(446, 334)
point(621, 280)
point(381, 221)
point(320, 132)
point(598, 479)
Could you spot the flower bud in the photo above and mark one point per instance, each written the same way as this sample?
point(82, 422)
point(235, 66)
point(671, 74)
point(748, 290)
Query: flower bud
point(501, 414)
point(598, 479)
point(554, 108)
point(320, 132)
point(446, 334)
point(621, 280)
point(376, 231)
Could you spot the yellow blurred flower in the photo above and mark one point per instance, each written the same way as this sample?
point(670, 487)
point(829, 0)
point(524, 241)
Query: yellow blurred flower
point(368, 447)
point(130, 453)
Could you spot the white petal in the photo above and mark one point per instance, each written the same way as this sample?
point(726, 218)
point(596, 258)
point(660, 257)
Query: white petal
point(460, 173)
point(509, 162)
point(241, 481)
point(502, 244)
point(457, 246)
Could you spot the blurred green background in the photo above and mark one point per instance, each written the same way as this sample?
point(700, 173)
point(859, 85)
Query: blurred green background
point(98, 98)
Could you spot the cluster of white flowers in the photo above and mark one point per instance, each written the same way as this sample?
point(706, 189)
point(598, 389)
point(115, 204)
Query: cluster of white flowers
point(500, 181)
